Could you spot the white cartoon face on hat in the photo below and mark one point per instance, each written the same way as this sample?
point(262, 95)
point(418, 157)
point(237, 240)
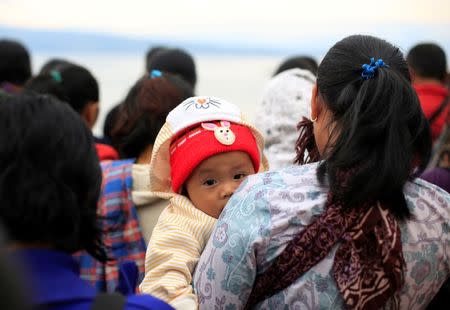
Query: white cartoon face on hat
point(222, 133)
point(201, 103)
point(196, 110)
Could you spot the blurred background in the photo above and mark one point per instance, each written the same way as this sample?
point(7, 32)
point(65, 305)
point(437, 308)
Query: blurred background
point(237, 45)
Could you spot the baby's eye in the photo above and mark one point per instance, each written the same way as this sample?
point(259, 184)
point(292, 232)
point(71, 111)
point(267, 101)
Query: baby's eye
point(209, 182)
point(239, 176)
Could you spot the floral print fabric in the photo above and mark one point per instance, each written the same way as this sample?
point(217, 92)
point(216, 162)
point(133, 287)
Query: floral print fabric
point(271, 208)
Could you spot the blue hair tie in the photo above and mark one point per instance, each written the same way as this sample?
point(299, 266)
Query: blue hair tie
point(155, 74)
point(370, 69)
point(56, 76)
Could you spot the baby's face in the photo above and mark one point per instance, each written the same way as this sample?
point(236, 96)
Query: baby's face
point(213, 182)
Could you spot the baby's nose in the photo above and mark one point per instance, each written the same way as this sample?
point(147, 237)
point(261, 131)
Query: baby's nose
point(228, 189)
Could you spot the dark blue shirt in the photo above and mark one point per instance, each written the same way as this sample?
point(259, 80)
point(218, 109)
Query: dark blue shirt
point(53, 280)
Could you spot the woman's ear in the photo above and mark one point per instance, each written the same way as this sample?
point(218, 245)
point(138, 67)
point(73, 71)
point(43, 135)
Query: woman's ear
point(314, 103)
point(90, 113)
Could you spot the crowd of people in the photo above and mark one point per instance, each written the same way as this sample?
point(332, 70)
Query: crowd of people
point(336, 197)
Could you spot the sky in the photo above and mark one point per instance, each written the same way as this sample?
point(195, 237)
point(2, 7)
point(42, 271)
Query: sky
point(232, 19)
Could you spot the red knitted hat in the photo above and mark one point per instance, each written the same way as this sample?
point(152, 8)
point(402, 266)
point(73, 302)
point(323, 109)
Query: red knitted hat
point(206, 140)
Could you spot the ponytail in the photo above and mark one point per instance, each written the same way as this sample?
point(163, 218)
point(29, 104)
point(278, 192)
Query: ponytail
point(380, 132)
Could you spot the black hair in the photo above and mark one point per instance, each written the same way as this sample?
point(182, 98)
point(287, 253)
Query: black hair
point(79, 85)
point(301, 62)
point(50, 176)
point(428, 60)
point(380, 133)
point(144, 112)
point(175, 61)
point(47, 85)
point(15, 64)
point(13, 293)
point(54, 64)
point(110, 122)
point(150, 55)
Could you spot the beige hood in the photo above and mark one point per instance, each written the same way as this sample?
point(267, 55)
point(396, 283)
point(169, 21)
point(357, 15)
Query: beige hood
point(192, 111)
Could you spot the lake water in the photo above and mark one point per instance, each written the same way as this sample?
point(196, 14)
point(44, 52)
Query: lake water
point(239, 79)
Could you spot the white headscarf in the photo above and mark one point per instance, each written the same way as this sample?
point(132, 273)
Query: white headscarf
point(286, 99)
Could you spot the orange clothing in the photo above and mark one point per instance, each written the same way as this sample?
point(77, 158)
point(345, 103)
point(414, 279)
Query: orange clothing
point(430, 97)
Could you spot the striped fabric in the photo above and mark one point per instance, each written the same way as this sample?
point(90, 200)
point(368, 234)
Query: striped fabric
point(122, 234)
point(182, 230)
point(176, 245)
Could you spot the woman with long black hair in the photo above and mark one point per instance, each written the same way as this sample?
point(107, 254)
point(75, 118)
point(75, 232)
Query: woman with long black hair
point(355, 230)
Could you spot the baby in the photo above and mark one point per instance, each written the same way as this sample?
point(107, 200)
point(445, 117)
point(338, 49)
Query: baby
point(201, 155)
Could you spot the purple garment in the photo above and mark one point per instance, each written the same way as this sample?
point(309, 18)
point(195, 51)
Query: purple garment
point(439, 177)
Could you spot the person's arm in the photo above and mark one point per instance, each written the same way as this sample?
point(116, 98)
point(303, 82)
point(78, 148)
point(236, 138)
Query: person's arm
point(173, 252)
point(227, 268)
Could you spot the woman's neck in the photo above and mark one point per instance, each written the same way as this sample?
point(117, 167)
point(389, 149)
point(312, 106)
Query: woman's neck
point(145, 156)
point(422, 80)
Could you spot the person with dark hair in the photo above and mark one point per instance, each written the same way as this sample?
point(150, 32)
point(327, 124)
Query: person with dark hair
point(428, 67)
point(80, 90)
point(356, 230)
point(175, 61)
point(150, 55)
point(132, 211)
point(54, 64)
point(110, 123)
point(15, 66)
point(143, 112)
point(300, 62)
point(13, 293)
point(50, 181)
point(49, 84)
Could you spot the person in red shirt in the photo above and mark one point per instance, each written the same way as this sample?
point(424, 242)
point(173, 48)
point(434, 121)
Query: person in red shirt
point(428, 67)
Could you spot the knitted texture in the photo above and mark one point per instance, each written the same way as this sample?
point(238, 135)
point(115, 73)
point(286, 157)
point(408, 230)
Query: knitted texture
point(192, 111)
point(285, 101)
point(198, 144)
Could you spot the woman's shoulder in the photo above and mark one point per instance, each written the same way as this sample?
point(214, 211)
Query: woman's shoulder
point(289, 194)
point(421, 194)
point(295, 175)
point(293, 185)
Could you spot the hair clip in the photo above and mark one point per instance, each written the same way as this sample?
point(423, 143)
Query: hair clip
point(56, 76)
point(155, 74)
point(369, 69)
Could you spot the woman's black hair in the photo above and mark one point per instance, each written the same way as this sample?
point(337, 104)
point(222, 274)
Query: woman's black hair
point(144, 112)
point(50, 176)
point(15, 63)
point(110, 122)
point(428, 60)
point(79, 85)
point(380, 133)
point(301, 62)
point(45, 84)
point(54, 64)
point(175, 61)
point(150, 55)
